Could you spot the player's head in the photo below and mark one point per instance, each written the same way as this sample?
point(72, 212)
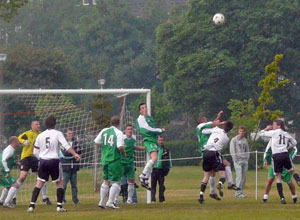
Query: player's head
point(35, 126)
point(50, 122)
point(143, 109)
point(228, 126)
point(242, 131)
point(278, 124)
point(115, 121)
point(14, 141)
point(70, 134)
point(201, 119)
point(129, 130)
point(160, 140)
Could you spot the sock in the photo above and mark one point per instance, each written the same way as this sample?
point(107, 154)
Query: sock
point(229, 175)
point(3, 195)
point(203, 187)
point(212, 185)
point(296, 177)
point(35, 194)
point(60, 195)
point(280, 191)
point(222, 180)
point(114, 190)
point(148, 168)
point(294, 196)
point(130, 191)
point(103, 193)
point(266, 196)
point(12, 191)
point(18, 189)
point(44, 191)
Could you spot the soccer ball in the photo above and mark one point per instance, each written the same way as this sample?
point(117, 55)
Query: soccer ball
point(219, 19)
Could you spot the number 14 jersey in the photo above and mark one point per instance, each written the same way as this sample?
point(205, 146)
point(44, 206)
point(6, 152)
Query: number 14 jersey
point(110, 139)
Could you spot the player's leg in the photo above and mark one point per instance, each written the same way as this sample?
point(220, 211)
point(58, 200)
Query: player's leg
point(287, 177)
point(222, 180)
point(279, 187)
point(271, 178)
point(151, 149)
point(130, 180)
point(205, 179)
point(104, 187)
point(212, 188)
point(35, 194)
point(114, 176)
point(13, 191)
point(229, 177)
point(4, 195)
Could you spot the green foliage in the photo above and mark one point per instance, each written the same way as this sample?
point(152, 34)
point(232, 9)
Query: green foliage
point(269, 83)
point(31, 67)
point(203, 66)
point(101, 111)
point(161, 108)
point(242, 114)
point(9, 8)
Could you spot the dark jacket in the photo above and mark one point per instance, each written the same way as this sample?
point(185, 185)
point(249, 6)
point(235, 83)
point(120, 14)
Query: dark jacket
point(68, 159)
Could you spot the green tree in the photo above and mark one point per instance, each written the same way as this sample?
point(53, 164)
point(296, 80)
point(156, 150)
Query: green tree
point(9, 8)
point(203, 66)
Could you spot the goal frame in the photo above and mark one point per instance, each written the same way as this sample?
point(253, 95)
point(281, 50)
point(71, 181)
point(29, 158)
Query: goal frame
point(85, 92)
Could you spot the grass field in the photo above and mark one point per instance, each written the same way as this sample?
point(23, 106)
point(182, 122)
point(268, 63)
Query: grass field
point(181, 202)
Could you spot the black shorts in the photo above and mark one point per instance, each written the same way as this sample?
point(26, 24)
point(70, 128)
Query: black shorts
point(280, 161)
point(50, 168)
point(212, 161)
point(29, 163)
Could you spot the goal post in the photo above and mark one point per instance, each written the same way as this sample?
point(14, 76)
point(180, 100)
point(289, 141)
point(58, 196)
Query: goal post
point(117, 92)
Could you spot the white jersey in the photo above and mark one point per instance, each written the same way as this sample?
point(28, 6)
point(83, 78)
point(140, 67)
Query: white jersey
point(279, 140)
point(48, 143)
point(217, 140)
point(7, 153)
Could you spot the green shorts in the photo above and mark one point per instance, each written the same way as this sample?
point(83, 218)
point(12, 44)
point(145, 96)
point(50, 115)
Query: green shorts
point(113, 171)
point(7, 182)
point(150, 146)
point(285, 176)
point(128, 170)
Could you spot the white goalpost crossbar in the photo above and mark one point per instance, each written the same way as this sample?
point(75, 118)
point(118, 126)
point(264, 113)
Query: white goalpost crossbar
point(84, 91)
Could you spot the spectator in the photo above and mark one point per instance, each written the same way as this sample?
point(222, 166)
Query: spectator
point(239, 151)
point(70, 166)
point(160, 170)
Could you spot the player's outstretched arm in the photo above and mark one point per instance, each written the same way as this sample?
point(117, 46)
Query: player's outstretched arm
point(140, 147)
point(75, 155)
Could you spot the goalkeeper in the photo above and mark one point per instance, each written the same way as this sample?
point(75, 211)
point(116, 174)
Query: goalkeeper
point(28, 161)
point(285, 175)
point(145, 126)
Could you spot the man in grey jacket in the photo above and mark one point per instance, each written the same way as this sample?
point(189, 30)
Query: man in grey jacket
point(239, 151)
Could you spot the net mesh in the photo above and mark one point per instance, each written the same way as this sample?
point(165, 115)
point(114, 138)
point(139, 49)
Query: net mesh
point(79, 117)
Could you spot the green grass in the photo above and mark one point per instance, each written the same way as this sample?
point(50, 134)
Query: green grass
point(181, 195)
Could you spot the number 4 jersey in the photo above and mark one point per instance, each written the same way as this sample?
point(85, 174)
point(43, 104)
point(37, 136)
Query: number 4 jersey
point(110, 139)
point(217, 140)
point(47, 144)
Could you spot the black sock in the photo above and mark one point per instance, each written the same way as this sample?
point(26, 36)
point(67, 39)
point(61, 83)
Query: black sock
point(60, 195)
point(296, 177)
point(222, 180)
point(35, 194)
point(203, 187)
point(280, 191)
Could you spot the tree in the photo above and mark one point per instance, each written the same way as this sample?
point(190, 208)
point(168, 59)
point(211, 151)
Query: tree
point(9, 8)
point(203, 66)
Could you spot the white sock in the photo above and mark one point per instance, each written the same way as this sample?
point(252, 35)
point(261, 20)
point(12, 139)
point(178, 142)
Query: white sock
point(294, 196)
point(3, 195)
point(12, 191)
point(114, 190)
point(229, 175)
point(44, 191)
point(266, 196)
point(130, 191)
point(103, 193)
point(148, 168)
point(212, 185)
point(18, 189)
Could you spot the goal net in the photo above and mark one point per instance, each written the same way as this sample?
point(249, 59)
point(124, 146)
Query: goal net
point(85, 114)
